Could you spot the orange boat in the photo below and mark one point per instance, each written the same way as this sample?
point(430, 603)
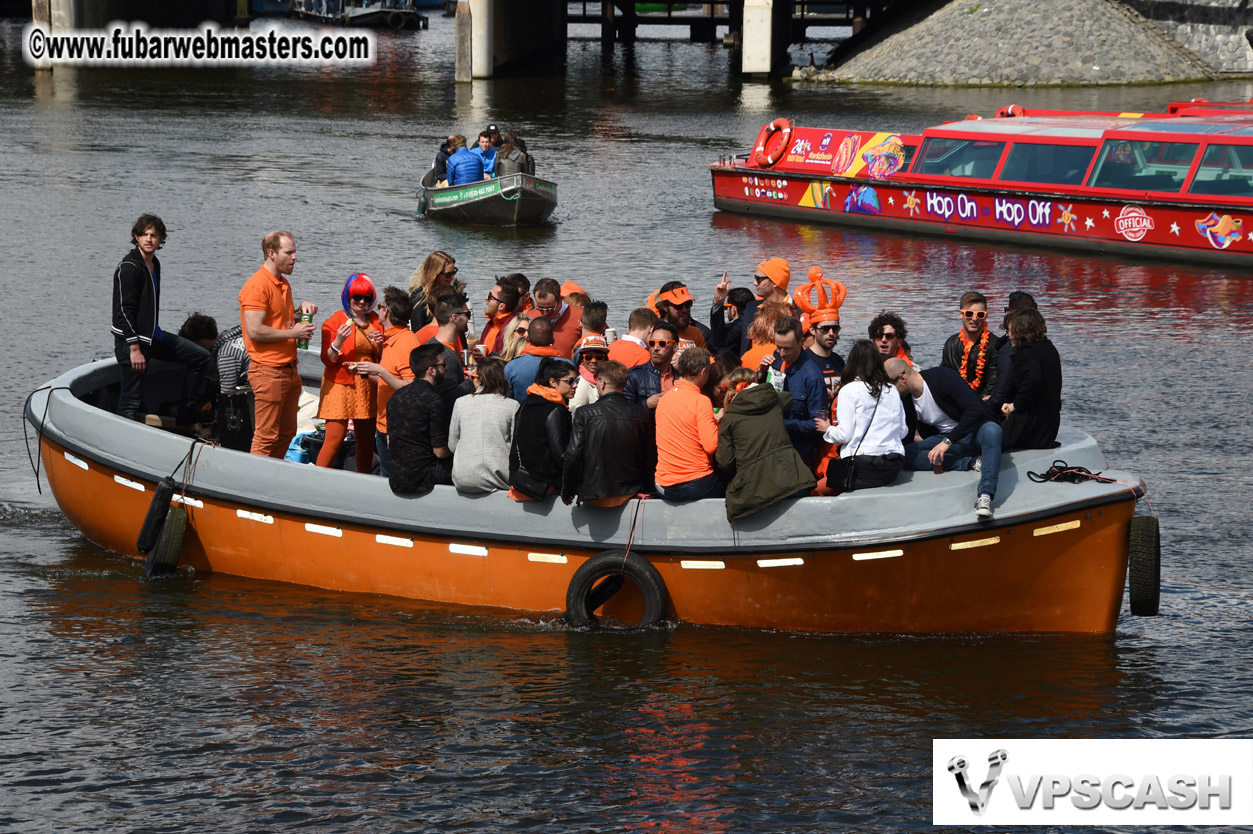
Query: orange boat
point(910, 557)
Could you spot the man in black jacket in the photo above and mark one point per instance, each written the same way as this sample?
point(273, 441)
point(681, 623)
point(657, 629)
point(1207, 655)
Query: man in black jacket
point(611, 455)
point(417, 427)
point(950, 418)
point(541, 432)
point(136, 335)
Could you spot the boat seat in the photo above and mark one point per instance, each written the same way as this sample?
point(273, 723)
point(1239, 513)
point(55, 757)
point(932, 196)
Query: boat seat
point(1237, 186)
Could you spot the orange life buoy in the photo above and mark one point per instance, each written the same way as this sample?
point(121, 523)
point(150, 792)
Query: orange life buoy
point(764, 158)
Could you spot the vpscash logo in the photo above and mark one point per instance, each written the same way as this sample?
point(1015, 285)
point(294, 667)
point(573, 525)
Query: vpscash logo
point(1095, 781)
point(978, 799)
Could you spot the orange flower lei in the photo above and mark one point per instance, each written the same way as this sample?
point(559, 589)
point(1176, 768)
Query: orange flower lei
point(980, 363)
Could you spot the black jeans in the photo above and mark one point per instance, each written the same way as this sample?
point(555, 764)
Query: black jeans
point(171, 348)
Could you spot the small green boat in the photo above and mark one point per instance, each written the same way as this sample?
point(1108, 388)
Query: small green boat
point(659, 7)
point(511, 200)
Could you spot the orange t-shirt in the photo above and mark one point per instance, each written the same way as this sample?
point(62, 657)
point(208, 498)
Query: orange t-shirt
point(567, 331)
point(628, 352)
point(398, 343)
point(687, 435)
point(753, 356)
point(272, 295)
point(427, 332)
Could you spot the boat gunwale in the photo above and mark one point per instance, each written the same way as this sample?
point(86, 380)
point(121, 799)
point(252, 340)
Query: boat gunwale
point(582, 520)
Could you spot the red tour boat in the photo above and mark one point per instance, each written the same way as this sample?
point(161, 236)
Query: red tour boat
point(1177, 184)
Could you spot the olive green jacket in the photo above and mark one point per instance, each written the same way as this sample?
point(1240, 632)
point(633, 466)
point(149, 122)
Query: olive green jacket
point(753, 447)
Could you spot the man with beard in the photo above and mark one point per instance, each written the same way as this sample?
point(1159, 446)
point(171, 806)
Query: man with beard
point(821, 299)
point(647, 382)
point(417, 427)
point(674, 304)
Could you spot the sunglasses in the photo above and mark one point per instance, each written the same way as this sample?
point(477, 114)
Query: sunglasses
point(594, 357)
point(461, 312)
point(491, 297)
point(369, 299)
point(452, 271)
point(660, 343)
point(885, 335)
point(570, 380)
point(757, 279)
point(974, 314)
point(828, 328)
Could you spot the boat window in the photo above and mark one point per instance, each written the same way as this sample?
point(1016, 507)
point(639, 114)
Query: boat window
point(1225, 169)
point(959, 157)
point(1144, 166)
point(1060, 164)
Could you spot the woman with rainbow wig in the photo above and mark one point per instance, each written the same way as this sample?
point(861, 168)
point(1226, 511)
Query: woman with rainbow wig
point(353, 334)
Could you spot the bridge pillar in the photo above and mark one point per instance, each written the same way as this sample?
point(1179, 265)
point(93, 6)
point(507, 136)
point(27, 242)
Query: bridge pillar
point(503, 31)
point(766, 26)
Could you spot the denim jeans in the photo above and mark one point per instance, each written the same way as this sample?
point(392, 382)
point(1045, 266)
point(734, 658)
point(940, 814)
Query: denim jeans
point(170, 347)
point(960, 457)
point(706, 487)
point(380, 446)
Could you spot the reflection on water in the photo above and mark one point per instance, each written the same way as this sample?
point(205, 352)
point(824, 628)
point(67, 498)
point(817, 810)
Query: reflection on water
point(215, 703)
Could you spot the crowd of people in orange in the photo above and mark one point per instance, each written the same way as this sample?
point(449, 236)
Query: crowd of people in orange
point(756, 405)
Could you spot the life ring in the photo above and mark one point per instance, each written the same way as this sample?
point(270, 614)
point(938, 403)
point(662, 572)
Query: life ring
point(762, 156)
point(585, 595)
point(1144, 565)
point(396, 20)
point(1013, 111)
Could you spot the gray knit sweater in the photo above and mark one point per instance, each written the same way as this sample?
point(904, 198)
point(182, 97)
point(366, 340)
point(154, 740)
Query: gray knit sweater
point(479, 437)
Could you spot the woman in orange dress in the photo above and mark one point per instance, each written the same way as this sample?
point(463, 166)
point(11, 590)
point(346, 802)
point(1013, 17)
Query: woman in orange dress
point(353, 334)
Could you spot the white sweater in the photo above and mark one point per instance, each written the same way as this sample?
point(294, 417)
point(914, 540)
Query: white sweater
point(853, 410)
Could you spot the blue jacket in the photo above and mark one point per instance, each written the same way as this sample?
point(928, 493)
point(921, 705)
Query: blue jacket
point(803, 380)
point(487, 157)
point(642, 382)
point(520, 371)
point(464, 167)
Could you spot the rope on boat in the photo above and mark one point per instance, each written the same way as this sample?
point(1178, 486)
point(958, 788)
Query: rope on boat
point(1062, 472)
point(635, 518)
point(36, 460)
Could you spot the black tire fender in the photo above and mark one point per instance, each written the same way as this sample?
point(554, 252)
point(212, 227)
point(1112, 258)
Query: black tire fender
point(587, 592)
point(396, 20)
point(164, 557)
point(1144, 565)
point(150, 530)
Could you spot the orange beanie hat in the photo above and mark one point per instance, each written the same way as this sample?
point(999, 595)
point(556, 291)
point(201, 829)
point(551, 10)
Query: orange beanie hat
point(777, 270)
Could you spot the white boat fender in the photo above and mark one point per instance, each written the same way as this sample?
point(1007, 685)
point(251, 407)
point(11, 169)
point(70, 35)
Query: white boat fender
point(585, 595)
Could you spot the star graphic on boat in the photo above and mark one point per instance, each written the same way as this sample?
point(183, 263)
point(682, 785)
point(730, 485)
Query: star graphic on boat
point(1105, 214)
point(891, 201)
point(1174, 229)
point(1088, 223)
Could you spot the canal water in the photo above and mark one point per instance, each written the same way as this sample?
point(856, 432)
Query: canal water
point(215, 703)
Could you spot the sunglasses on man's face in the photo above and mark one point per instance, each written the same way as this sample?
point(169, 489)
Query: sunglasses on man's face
point(975, 314)
point(828, 328)
point(660, 343)
point(885, 335)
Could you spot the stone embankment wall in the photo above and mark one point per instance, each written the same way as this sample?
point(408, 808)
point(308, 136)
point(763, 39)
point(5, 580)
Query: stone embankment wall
point(1213, 29)
point(1018, 43)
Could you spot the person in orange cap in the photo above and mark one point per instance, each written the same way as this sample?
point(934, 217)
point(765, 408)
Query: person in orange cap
point(674, 304)
point(770, 283)
point(592, 350)
point(820, 299)
point(569, 287)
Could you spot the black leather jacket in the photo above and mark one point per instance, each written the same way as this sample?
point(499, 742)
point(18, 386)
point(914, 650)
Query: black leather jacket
point(541, 432)
point(611, 452)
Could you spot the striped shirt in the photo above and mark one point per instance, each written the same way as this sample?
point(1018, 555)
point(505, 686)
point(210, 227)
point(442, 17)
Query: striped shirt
point(230, 358)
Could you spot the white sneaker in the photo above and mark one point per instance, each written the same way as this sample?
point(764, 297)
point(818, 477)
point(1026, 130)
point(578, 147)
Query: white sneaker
point(983, 506)
point(978, 467)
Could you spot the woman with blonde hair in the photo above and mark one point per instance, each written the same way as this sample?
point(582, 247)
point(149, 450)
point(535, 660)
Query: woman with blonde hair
point(515, 339)
point(754, 449)
point(438, 269)
point(353, 334)
point(761, 333)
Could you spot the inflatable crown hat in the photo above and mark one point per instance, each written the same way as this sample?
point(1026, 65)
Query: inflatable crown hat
point(821, 298)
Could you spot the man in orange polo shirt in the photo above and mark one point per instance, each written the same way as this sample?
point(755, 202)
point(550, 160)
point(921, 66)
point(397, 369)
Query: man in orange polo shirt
point(564, 317)
point(392, 369)
point(687, 434)
point(632, 349)
point(271, 329)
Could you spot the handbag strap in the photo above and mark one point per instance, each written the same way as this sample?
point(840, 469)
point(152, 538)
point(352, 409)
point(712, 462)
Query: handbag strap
point(868, 425)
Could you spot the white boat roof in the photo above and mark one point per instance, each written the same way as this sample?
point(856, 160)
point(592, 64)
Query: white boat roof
point(1094, 127)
